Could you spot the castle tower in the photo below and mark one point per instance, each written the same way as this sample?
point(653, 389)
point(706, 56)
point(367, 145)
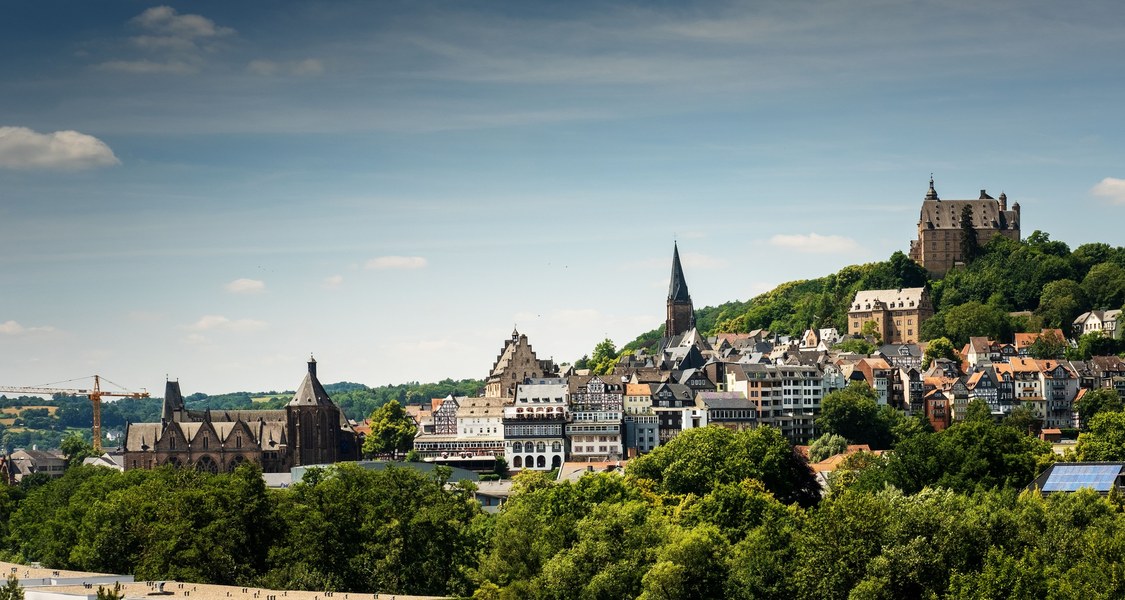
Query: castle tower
point(681, 314)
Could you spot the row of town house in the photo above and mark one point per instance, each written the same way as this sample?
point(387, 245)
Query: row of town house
point(537, 416)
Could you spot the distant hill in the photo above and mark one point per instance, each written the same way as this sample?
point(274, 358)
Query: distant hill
point(1036, 274)
point(28, 421)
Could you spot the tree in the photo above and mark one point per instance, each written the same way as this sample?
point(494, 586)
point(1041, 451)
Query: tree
point(1104, 286)
point(978, 410)
point(827, 445)
point(856, 345)
point(1047, 345)
point(12, 590)
point(1097, 401)
point(871, 328)
point(1095, 343)
point(110, 594)
point(392, 430)
point(1023, 419)
point(975, 319)
point(939, 348)
point(853, 413)
point(970, 247)
point(76, 449)
point(697, 460)
point(1104, 438)
point(604, 358)
point(1061, 302)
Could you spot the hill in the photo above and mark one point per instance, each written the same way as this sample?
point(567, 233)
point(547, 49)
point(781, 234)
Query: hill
point(27, 421)
point(1036, 275)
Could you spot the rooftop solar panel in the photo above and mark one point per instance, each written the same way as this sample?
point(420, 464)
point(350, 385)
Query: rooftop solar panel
point(1069, 478)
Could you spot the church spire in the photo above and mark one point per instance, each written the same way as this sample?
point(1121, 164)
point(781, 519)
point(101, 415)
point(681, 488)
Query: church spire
point(677, 287)
point(681, 314)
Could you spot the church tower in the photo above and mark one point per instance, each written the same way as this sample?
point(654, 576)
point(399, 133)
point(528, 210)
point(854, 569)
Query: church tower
point(681, 314)
point(318, 431)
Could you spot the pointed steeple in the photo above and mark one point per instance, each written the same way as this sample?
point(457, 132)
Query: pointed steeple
point(681, 314)
point(677, 287)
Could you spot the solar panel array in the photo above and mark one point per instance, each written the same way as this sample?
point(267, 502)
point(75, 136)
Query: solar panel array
point(1069, 478)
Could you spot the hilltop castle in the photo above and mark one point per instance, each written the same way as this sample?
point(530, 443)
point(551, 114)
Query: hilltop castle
point(938, 246)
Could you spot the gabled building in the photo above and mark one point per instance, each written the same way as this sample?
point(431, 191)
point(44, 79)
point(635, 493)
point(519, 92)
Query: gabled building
point(897, 315)
point(1104, 321)
point(596, 411)
point(515, 364)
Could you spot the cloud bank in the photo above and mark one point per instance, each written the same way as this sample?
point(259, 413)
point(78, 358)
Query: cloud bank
point(1110, 188)
point(221, 323)
point(246, 286)
point(397, 262)
point(14, 328)
point(814, 243)
point(22, 148)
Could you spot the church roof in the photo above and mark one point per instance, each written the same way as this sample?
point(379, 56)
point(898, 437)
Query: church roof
point(310, 392)
point(677, 287)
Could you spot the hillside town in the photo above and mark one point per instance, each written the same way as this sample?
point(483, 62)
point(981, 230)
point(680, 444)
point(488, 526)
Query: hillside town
point(538, 416)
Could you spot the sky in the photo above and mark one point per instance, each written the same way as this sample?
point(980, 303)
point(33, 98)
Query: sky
point(211, 191)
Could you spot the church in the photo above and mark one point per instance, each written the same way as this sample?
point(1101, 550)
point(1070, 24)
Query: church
point(310, 430)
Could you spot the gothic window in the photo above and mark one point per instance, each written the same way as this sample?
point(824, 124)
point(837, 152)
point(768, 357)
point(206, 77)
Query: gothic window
point(206, 464)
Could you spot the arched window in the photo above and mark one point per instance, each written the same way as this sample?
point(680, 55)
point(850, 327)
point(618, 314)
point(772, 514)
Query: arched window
point(541, 447)
point(556, 462)
point(517, 447)
point(238, 460)
point(541, 462)
point(207, 465)
point(529, 462)
point(556, 447)
point(517, 462)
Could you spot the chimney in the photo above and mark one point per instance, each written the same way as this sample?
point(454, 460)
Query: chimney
point(312, 366)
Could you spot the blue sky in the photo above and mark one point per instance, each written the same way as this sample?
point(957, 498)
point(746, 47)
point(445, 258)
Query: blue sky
point(213, 190)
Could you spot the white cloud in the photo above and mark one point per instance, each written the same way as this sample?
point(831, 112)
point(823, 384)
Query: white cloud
point(14, 328)
point(309, 66)
point(174, 43)
point(333, 281)
point(221, 323)
point(814, 243)
point(166, 21)
point(397, 262)
point(246, 286)
point(1112, 189)
point(146, 67)
point(22, 148)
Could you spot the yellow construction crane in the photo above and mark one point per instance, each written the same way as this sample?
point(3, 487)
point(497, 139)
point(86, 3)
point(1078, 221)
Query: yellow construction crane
point(94, 394)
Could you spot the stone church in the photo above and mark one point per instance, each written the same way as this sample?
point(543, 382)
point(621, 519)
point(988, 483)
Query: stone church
point(310, 430)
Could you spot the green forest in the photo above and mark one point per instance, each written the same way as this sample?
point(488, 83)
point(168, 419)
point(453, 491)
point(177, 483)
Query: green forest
point(1042, 278)
point(712, 514)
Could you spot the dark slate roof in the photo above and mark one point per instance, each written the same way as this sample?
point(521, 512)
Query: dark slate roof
point(677, 287)
point(310, 392)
